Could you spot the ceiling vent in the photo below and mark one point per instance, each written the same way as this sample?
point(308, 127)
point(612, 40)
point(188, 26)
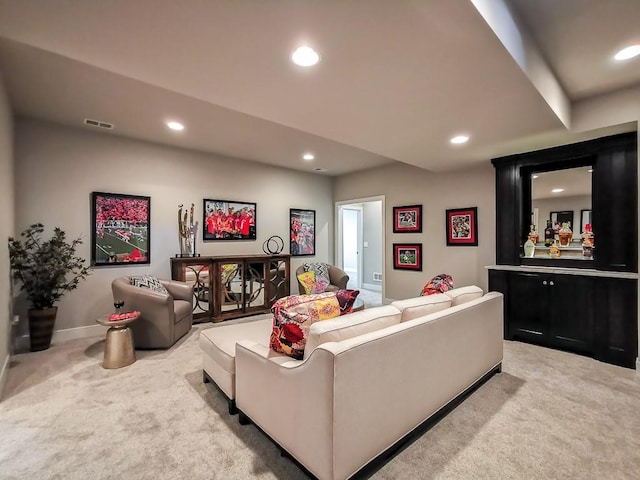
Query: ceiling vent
point(98, 123)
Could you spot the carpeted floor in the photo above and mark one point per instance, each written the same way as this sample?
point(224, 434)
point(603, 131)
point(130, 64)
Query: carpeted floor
point(549, 415)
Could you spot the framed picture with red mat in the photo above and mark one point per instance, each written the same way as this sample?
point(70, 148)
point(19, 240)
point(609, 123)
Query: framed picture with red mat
point(407, 219)
point(407, 256)
point(462, 227)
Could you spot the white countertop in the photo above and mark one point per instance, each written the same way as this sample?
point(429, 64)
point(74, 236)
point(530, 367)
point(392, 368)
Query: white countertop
point(587, 272)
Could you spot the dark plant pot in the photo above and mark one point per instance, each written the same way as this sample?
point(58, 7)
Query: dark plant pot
point(41, 322)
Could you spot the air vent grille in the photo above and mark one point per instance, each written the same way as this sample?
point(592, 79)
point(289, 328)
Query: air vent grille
point(98, 124)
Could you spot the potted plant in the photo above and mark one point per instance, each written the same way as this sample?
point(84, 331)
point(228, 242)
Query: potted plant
point(46, 270)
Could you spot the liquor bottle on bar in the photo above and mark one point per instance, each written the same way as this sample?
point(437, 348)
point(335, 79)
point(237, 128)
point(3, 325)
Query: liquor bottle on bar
point(549, 234)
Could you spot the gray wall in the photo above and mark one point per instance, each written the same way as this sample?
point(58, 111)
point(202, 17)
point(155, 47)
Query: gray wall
point(58, 167)
point(408, 185)
point(6, 227)
point(372, 234)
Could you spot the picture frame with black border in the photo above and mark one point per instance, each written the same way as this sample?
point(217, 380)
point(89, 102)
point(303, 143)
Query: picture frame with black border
point(120, 229)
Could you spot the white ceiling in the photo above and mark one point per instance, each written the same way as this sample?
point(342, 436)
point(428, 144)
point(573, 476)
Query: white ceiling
point(397, 78)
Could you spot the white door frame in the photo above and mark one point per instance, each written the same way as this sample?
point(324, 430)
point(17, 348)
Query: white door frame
point(338, 228)
point(360, 243)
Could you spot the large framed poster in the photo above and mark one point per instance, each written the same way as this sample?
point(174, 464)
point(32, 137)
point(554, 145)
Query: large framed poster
point(120, 229)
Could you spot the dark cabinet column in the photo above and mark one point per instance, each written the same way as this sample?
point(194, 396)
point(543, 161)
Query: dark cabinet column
point(615, 200)
point(617, 326)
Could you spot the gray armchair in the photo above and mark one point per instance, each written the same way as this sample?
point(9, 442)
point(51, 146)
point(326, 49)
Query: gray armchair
point(338, 279)
point(164, 318)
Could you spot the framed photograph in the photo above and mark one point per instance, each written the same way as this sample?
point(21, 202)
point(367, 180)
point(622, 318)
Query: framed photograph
point(227, 220)
point(462, 227)
point(407, 219)
point(302, 232)
point(120, 229)
point(407, 256)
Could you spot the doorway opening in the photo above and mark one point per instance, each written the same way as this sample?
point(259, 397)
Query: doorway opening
point(360, 246)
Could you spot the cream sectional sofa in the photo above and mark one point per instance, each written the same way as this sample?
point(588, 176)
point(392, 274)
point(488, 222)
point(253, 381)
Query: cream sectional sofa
point(367, 381)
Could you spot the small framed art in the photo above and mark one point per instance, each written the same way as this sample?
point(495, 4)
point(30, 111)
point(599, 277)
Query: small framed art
point(228, 220)
point(302, 232)
point(407, 219)
point(120, 229)
point(462, 227)
point(407, 256)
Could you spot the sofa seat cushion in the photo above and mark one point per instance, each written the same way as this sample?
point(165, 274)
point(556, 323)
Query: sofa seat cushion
point(351, 325)
point(219, 342)
point(464, 294)
point(419, 306)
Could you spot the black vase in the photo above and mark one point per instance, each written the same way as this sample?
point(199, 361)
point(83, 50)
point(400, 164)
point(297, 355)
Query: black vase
point(41, 322)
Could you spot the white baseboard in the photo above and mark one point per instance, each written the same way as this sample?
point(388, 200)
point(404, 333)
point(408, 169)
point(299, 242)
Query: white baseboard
point(64, 335)
point(4, 373)
point(372, 286)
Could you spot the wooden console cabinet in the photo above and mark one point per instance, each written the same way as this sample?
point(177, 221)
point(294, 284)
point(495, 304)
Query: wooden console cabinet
point(233, 286)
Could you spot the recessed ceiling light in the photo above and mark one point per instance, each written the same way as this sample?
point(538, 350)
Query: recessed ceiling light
point(308, 156)
point(305, 56)
point(557, 190)
point(627, 53)
point(175, 126)
point(459, 139)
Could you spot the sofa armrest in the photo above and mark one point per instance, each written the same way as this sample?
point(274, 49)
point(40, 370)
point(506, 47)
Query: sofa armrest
point(265, 381)
point(179, 290)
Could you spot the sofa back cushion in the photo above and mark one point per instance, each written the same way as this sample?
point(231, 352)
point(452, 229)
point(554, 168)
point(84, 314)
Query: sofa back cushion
point(464, 294)
point(352, 325)
point(419, 306)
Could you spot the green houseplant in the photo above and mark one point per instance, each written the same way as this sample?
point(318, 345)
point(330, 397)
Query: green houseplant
point(45, 270)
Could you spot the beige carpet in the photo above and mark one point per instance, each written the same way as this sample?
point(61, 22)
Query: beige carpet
point(549, 415)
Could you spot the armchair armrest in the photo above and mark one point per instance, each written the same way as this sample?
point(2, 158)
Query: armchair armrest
point(179, 290)
point(132, 295)
point(338, 277)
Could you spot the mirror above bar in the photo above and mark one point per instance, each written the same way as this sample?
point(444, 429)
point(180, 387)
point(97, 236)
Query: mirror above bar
point(560, 223)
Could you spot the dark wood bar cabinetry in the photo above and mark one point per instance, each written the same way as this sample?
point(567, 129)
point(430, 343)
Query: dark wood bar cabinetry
point(584, 305)
point(233, 286)
point(590, 315)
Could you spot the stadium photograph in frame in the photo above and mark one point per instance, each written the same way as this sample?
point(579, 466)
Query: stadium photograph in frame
point(120, 229)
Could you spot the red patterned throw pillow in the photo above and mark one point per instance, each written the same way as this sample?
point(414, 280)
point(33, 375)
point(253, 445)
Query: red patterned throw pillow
point(346, 299)
point(294, 315)
point(438, 284)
